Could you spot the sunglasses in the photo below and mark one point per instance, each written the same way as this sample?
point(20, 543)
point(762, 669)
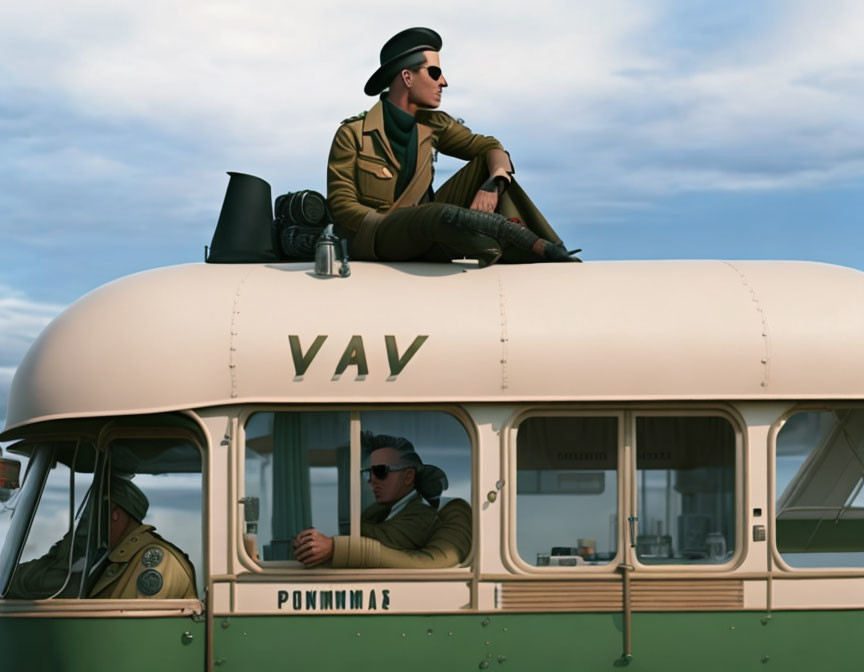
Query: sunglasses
point(433, 70)
point(379, 471)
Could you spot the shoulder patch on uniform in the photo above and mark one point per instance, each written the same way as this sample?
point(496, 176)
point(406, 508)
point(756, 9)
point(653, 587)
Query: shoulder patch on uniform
point(152, 557)
point(179, 555)
point(149, 582)
point(356, 117)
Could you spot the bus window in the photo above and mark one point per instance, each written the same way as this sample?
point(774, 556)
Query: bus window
point(51, 500)
point(437, 448)
point(820, 489)
point(167, 471)
point(415, 489)
point(685, 478)
point(93, 514)
point(567, 490)
point(297, 477)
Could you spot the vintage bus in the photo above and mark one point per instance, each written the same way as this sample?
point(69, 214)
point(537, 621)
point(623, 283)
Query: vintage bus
point(660, 464)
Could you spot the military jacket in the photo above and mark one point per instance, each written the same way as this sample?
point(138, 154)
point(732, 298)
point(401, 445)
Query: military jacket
point(143, 565)
point(448, 545)
point(362, 169)
point(408, 529)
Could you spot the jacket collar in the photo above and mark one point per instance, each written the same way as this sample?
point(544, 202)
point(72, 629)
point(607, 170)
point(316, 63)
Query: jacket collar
point(121, 555)
point(131, 544)
point(423, 132)
point(373, 122)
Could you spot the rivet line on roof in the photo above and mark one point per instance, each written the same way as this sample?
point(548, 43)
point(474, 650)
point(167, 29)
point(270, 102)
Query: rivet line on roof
point(502, 312)
point(235, 330)
point(765, 360)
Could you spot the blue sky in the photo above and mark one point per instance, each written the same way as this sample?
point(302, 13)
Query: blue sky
point(643, 129)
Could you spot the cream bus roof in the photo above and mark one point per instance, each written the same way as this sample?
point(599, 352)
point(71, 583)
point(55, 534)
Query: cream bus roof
point(199, 335)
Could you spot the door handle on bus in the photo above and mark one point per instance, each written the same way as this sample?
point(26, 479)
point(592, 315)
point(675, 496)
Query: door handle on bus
point(633, 522)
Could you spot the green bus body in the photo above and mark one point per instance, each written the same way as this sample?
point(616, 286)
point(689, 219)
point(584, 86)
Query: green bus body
point(71, 644)
point(662, 642)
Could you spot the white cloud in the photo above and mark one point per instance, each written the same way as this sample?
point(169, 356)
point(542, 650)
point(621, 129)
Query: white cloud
point(21, 321)
point(81, 166)
point(281, 77)
point(816, 36)
point(599, 94)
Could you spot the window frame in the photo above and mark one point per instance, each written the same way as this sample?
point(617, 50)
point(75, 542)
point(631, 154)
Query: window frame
point(741, 494)
point(109, 430)
point(22, 530)
point(295, 569)
point(112, 431)
point(777, 561)
point(627, 486)
point(509, 457)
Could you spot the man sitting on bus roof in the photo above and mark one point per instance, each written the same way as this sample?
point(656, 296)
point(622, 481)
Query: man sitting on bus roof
point(380, 170)
point(400, 518)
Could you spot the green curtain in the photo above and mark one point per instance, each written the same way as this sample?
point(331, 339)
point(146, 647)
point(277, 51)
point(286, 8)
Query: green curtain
point(343, 460)
point(292, 504)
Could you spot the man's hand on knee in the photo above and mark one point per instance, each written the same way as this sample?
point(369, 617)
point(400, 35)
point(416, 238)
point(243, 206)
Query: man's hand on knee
point(486, 201)
point(311, 547)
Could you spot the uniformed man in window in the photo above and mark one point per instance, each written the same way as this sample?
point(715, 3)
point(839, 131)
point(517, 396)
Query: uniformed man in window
point(379, 174)
point(404, 515)
point(140, 563)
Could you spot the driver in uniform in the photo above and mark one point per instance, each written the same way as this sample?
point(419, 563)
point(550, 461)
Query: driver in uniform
point(140, 563)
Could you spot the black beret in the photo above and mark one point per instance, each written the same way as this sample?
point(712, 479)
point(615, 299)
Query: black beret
point(396, 53)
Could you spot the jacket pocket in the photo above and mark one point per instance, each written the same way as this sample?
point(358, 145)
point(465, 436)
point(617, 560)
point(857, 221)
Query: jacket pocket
point(375, 181)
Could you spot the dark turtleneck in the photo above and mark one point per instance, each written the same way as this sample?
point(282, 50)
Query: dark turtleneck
point(401, 130)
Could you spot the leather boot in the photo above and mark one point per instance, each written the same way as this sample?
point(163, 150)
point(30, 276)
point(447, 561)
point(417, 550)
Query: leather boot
point(505, 232)
point(490, 224)
point(557, 252)
point(463, 241)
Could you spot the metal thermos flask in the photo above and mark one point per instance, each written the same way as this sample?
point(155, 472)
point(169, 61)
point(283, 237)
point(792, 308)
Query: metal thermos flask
point(325, 252)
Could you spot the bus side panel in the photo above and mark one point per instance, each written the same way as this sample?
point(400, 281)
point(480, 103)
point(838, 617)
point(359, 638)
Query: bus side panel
point(442, 643)
point(665, 642)
point(97, 644)
point(784, 640)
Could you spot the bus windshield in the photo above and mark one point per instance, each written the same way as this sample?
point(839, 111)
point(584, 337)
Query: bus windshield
point(85, 513)
point(43, 515)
